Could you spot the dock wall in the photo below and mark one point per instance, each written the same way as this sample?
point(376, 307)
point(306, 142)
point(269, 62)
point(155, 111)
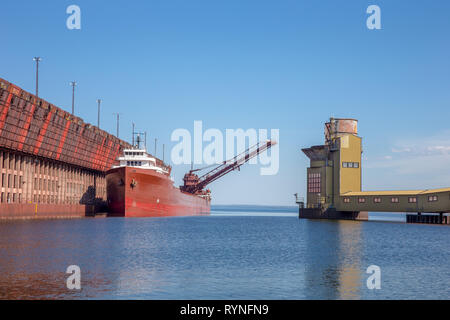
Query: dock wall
point(332, 214)
point(44, 211)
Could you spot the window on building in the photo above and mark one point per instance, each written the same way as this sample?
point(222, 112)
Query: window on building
point(412, 199)
point(361, 200)
point(346, 200)
point(314, 182)
point(377, 200)
point(394, 200)
point(432, 198)
point(350, 164)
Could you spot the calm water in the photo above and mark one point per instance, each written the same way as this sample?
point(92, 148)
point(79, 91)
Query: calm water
point(245, 253)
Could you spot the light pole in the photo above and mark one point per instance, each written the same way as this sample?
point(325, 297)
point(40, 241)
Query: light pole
point(98, 114)
point(73, 84)
point(37, 59)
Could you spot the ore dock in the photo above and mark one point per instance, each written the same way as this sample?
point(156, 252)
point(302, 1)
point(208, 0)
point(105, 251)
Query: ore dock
point(52, 163)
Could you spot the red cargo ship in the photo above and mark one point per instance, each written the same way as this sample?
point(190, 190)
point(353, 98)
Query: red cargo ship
point(141, 186)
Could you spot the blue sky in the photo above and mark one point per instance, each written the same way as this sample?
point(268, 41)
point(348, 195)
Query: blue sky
point(283, 64)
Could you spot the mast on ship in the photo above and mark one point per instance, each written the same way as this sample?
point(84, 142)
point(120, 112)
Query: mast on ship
point(138, 157)
point(138, 140)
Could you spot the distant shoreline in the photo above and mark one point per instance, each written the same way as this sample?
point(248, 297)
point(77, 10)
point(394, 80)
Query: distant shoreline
point(253, 208)
point(373, 216)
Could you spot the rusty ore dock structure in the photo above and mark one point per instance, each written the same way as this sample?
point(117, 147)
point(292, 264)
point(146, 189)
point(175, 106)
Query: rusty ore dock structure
point(52, 164)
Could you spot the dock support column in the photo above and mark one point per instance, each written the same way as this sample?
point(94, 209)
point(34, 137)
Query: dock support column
point(1, 178)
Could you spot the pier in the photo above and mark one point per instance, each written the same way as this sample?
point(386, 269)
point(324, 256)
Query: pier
point(427, 218)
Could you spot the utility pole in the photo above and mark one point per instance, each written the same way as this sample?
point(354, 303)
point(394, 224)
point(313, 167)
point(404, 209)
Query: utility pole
point(73, 84)
point(156, 141)
point(164, 146)
point(98, 114)
point(37, 59)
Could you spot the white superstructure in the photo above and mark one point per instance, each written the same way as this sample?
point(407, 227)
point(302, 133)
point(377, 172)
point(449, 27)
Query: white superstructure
point(138, 158)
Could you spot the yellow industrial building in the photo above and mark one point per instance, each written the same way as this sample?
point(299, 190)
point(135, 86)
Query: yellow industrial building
point(334, 183)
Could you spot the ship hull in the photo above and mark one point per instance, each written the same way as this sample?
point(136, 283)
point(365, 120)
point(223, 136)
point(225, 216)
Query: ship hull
point(134, 192)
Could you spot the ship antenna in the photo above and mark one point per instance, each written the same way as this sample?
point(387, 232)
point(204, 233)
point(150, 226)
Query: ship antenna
point(145, 141)
point(138, 141)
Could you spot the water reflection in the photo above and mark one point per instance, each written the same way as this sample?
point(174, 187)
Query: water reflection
point(48, 285)
point(34, 256)
point(333, 259)
point(140, 272)
point(221, 257)
point(176, 258)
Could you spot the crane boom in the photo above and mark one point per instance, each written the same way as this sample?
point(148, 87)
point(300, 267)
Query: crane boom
point(195, 184)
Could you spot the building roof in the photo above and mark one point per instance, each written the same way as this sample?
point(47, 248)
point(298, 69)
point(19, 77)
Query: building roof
point(436, 190)
point(315, 152)
point(395, 192)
